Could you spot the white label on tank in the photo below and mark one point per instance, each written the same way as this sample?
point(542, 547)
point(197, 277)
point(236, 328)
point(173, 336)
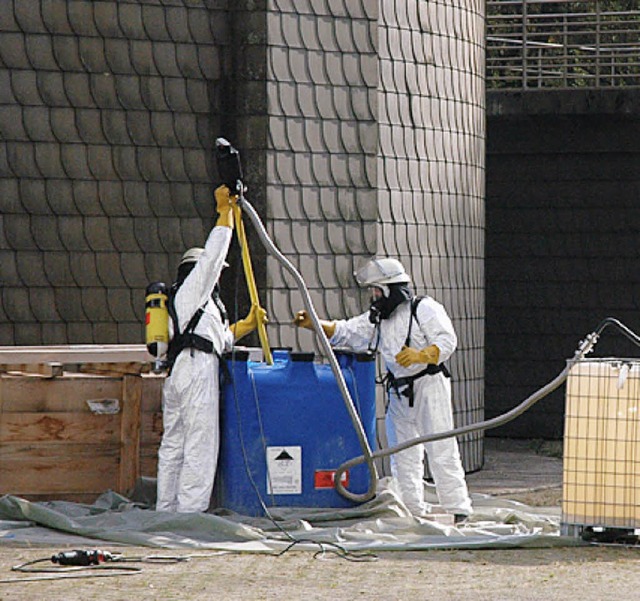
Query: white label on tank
point(284, 470)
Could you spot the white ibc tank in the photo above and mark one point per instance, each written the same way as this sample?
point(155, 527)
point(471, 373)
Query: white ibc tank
point(601, 483)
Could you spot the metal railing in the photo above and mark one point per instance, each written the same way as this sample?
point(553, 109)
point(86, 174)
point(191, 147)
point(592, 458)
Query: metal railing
point(563, 44)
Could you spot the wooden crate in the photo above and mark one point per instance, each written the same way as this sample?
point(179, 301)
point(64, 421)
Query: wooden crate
point(53, 445)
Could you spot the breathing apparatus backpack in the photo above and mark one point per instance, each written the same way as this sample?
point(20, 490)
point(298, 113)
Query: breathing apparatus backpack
point(157, 321)
point(160, 308)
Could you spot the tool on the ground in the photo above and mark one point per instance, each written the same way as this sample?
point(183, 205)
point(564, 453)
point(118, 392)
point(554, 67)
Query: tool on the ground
point(230, 170)
point(88, 563)
point(80, 557)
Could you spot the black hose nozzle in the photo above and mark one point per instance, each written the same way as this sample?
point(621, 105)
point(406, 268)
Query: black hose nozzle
point(228, 162)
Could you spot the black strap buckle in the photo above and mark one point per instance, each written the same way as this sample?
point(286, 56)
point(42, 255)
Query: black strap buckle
point(407, 381)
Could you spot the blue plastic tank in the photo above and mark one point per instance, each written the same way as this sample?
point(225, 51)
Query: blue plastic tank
point(285, 429)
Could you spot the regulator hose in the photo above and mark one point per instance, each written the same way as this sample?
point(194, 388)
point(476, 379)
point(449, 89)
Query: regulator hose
point(368, 456)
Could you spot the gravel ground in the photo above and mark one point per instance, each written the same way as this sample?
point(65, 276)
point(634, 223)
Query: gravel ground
point(589, 573)
point(569, 573)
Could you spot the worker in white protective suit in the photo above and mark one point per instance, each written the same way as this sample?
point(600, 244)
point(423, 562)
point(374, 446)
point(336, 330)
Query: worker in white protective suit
point(415, 337)
point(200, 333)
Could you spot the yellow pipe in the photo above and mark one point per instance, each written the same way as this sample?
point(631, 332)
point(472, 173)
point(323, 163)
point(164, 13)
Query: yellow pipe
point(251, 282)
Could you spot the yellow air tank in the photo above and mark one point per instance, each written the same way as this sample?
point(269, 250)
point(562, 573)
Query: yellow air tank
point(157, 320)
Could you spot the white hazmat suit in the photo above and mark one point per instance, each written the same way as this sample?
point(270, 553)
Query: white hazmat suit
point(414, 337)
point(431, 411)
point(188, 453)
point(190, 402)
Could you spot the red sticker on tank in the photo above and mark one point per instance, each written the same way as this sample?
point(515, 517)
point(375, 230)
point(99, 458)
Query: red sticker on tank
point(325, 478)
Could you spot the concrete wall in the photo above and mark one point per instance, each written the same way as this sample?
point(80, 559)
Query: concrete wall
point(563, 224)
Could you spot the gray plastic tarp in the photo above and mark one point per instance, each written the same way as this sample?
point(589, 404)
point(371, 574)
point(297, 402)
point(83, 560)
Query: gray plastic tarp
point(382, 524)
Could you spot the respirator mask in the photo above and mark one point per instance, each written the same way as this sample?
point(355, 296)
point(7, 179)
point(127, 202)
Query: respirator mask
point(384, 305)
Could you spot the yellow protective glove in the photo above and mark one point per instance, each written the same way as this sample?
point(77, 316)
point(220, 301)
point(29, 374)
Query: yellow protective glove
point(242, 327)
point(408, 355)
point(224, 206)
point(302, 320)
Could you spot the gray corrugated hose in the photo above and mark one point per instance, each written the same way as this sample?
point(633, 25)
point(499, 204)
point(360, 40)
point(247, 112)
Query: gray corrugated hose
point(324, 342)
point(584, 347)
point(369, 457)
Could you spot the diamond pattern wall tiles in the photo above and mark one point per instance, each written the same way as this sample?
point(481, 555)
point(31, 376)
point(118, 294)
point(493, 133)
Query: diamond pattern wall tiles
point(360, 124)
point(100, 114)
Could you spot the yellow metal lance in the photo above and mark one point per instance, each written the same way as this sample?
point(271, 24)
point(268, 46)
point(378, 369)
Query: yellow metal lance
point(251, 282)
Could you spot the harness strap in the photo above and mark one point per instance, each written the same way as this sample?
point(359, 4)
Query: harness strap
point(194, 341)
point(186, 339)
point(407, 381)
point(415, 301)
point(430, 370)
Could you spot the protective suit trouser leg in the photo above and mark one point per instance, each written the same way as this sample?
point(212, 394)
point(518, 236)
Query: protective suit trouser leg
point(171, 451)
point(434, 414)
point(201, 445)
point(189, 449)
point(407, 466)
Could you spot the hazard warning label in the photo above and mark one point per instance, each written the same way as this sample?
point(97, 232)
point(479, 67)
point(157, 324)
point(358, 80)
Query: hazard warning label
point(326, 478)
point(284, 470)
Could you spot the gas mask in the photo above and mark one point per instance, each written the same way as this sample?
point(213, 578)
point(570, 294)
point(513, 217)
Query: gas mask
point(382, 307)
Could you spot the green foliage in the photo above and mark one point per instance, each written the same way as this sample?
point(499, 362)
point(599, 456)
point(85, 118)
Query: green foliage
point(588, 43)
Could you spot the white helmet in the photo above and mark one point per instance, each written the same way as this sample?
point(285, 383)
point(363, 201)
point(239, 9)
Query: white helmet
point(193, 254)
point(382, 272)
